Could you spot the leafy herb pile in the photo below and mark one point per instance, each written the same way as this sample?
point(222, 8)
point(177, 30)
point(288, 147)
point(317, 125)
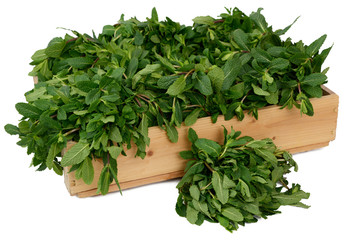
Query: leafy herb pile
point(235, 183)
point(105, 91)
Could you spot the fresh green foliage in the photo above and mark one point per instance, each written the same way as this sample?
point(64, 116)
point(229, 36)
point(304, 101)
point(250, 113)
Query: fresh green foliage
point(236, 183)
point(105, 91)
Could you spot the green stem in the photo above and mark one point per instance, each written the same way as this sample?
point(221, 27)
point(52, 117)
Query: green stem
point(71, 131)
point(209, 167)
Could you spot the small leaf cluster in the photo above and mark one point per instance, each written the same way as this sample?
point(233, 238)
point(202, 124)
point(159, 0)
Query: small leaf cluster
point(237, 182)
point(104, 91)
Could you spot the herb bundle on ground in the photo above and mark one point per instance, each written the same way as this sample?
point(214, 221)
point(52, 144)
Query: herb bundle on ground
point(104, 91)
point(237, 182)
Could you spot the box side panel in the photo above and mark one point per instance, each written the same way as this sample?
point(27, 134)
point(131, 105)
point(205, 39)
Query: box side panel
point(287, 128)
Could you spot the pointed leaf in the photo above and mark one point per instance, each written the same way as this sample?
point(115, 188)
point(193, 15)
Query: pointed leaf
point(233, 214)
point(221, 193)
point(76, 154)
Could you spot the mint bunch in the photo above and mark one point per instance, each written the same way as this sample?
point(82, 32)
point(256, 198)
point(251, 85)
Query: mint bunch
point(237, 182)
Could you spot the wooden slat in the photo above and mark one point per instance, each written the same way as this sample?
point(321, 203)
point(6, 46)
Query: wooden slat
point(288, 129)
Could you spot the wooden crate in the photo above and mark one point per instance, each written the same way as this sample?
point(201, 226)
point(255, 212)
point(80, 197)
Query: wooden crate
point(288, 129)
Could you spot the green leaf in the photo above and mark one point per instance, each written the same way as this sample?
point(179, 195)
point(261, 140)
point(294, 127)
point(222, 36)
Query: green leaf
point(186, 154)
point(36, 94)
point(76, 154)
point(216, 75)
point(289, 199)
point(80, 62)
point(314, 79)
point(241, 38)
point(108, 119)
point(172, 133)
point(87, 171)
point(273, 98)
point(92, 96)
point(192, 135)
point(252, 208)
point(299, 58)
point(108, 30)
point(237, 91)
point(165, 81)
point(192, 117)
point(105, 81)
point(114, 151)
point(227, 183)
point(115, 135)
point(55, 47)
point(315, 91)
point(244, 189)
point(154, 15)
point(39, 56)
point(278, 64)
point(314, 47)
point(53, 151)
point(132, 68)
point(12, 129)
point(196, 168)
point(259, 91)
point(104, 181)
point(143, 128)
point(194, 192)
point(207, 20)
point(27, 110)
point(114, 172)
point(277, 174)
point(283, 31)
point(210, 147)
point(203, 84)
point(267, 155)
point(231, 70)
point(177, 87)
point(165, 63)
point(221, 193)
point(201, 207)
point(191, 214)
point(150, 68)
point(138, 38)
point(261, 56)
point(233, 214)
point(259, 20)
point(61, 115)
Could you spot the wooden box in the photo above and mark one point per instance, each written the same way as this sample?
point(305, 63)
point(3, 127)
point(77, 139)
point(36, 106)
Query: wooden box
point(288, 129)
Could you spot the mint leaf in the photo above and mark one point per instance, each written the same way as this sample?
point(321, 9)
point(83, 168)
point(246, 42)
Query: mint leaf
point(259, 20)
point(259, 91)
point(209, 146)
point(12, 129)
point(207, 20)
point(241, 38)
point(114, 151)
point(27, 110)
point(216, 75)
point(76, 154)
point(87, 171)
point(203, 84)
point(80, 62)
point(177, 87)
point(314, 47)
point(314, 79)
point(221, 192)
point(233, 214)
point(192, 117)
point(231, 71)
point(55, 47)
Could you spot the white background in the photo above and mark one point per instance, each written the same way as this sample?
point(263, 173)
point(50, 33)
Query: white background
point(36, 205)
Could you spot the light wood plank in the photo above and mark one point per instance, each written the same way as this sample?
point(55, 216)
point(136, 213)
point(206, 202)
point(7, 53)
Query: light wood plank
point(288, 129)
